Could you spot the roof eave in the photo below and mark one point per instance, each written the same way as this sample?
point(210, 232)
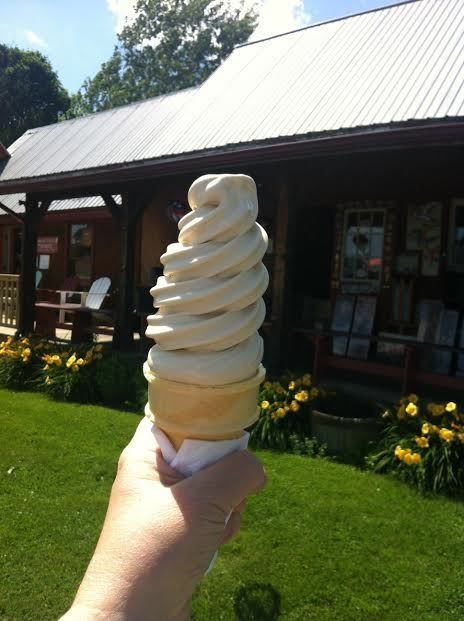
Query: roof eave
point(430, 133)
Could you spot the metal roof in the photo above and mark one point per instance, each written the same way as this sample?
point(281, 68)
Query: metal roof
point(12, 201)
point(388, 66)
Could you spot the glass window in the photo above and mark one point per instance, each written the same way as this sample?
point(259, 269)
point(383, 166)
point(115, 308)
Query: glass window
point(456, 242)
point(80, 253)
point(363, 245)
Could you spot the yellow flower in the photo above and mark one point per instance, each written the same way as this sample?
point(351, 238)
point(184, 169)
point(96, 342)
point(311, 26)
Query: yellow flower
point(422, 442)
point(264, 405)
point(27, 351)
point(416, 458)
point(302, 396)
point(386, 414)
point(411, 409)
point(280, 412)
point(438, 410)
point(434, 429)
point(46, 367)
point(25, 342)
point(450, 407)
point(461, 437)
point(292, 386)
point(412, 398)
point(75, 368)
point(71, 360)
point(294, 406)
point(80, 362)
point(98, 347)
point(48, 380)
point(399, 452)
point(446, 434)
point(306, 379)
point(407, 459)
point(425, 429)
point(266, 385)
point(280, 390)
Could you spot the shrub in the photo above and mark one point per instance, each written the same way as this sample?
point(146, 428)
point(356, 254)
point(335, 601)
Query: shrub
point(423, 444)
point(19, 362)
point(284, 412)
point(117, 380)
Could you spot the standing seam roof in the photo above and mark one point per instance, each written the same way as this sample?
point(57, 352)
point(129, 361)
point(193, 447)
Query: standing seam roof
point(401, 63)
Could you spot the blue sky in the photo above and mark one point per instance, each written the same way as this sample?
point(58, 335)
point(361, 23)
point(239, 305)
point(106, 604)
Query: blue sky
point(78, 35)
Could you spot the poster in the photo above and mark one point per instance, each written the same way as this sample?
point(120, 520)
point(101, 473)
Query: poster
point(424, 234)
point(446, 335)
point(341, 322)
point(460, 365)
point(363, 322)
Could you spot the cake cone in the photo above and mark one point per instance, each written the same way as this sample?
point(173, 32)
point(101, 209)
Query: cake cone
point(202, 412)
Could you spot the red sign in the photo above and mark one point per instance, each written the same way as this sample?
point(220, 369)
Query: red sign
point(47, 245)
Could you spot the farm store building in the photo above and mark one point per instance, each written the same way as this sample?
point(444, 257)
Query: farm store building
point(354, 132)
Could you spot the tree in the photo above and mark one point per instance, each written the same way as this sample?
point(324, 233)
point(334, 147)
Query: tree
point(30, 92)
point(170, 45)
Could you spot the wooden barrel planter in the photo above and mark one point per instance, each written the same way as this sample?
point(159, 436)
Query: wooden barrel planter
point(344, 435)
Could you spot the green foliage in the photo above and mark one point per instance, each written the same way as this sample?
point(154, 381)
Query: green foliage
point(170, 45)
point(31, 94)
point(257, 601)
point(285, 412)
point(424, 446)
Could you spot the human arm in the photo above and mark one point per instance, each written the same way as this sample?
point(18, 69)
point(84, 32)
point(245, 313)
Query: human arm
point(160, 533)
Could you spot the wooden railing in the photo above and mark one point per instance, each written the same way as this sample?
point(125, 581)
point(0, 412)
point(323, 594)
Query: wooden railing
point(9, 300)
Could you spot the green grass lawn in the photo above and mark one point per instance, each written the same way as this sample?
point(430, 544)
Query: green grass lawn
point(336, 544)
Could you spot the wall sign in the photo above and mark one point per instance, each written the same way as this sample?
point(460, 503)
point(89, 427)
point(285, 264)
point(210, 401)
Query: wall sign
point(47, 245)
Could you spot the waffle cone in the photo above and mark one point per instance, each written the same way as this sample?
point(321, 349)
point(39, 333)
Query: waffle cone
point(202, 412)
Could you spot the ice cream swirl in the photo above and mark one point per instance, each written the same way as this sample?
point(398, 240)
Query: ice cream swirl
point(209, 299)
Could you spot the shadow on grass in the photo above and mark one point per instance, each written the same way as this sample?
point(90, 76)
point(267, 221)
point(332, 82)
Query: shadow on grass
point(257, 601)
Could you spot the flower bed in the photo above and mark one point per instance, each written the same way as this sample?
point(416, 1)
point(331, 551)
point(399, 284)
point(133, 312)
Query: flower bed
point(424, 445)
point(285, 414)
point(86, 373)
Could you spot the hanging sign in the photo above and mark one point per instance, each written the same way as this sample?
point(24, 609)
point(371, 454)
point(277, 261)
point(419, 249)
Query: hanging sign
point(47, 245)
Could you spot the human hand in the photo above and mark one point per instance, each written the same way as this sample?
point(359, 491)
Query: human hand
point(160, 533)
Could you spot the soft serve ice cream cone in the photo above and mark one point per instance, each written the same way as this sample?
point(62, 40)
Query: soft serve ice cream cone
point(205, 370)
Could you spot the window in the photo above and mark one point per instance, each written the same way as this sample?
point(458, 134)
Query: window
point(456, 236)
point(80, 252)
point(363, 245)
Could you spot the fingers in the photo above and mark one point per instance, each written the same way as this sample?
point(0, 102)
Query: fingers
point(228, 482)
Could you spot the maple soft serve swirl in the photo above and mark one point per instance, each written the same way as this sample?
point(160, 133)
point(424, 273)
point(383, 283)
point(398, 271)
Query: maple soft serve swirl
point(209, 299)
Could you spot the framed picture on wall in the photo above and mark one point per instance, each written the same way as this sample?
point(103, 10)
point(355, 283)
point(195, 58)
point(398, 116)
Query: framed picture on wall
point(456, 236)
point(424, 233)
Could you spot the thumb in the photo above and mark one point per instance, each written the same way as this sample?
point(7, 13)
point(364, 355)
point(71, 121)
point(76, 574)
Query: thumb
point(227, 482)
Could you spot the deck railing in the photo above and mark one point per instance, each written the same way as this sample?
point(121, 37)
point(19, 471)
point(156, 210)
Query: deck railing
point(9, 300)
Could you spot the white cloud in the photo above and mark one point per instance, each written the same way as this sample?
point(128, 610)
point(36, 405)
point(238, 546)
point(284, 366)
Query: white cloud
point(275, 16)
point(123, 10)
point(34, 39)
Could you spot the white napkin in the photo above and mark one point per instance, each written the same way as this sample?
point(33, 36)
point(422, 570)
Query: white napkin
point(195, 455)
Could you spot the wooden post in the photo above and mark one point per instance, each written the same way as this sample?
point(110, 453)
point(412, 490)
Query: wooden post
point(126, 216)
point(31, 220)
point(280, 287)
